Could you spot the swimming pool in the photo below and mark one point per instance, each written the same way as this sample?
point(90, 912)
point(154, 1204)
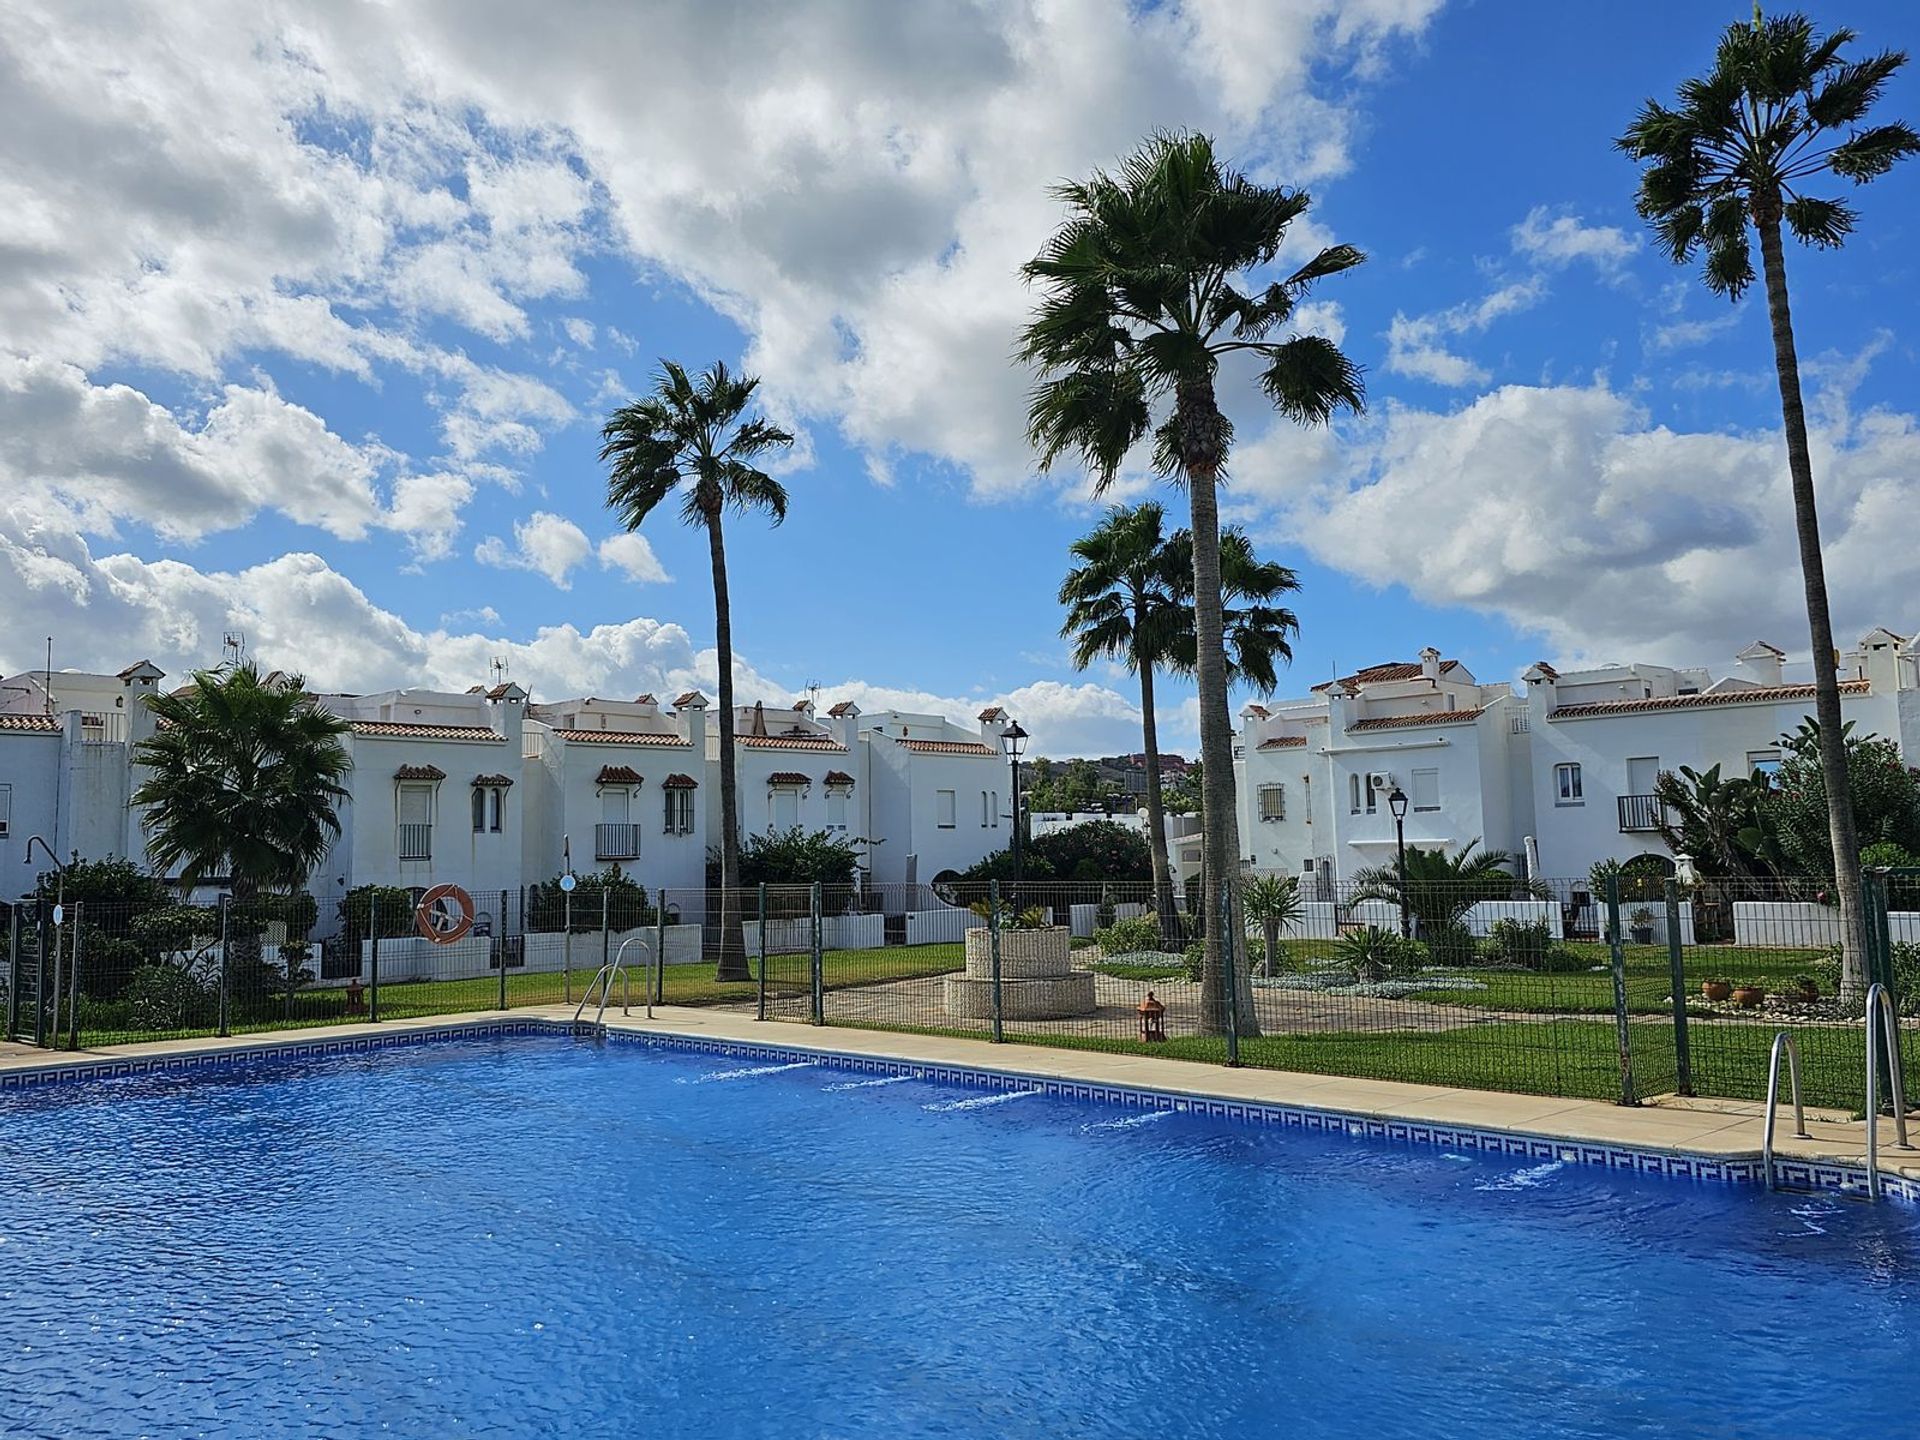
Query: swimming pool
point(532, 1235)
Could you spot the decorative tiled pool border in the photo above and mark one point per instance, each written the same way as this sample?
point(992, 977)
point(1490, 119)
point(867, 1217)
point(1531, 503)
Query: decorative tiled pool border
point(1795, 1174)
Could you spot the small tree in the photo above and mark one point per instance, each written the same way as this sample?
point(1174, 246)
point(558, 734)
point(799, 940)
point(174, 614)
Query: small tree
point(1440, 888)
point(1274, 904)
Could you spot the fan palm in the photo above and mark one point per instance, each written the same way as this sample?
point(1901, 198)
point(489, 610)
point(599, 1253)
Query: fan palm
point(696, 440)
point(1258, 633)
point(1780, 112)
point(1124, 602)
point(1274, 904)
point(1160, 271)
point(242, 780)
point(1438, 888)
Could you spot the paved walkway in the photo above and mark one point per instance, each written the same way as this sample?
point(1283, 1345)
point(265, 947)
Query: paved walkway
point(1718, 1129)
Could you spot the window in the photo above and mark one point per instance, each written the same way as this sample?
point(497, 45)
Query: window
point(1353, 794)
point(983, 809)
point(1273, 802)
point(614, 800)
point(496, 802)
point(413, 807)
point(6, 810)
point(1372, 795)
point(837, 810)
point(1566, 784)
point(943, 807)
point(1764, 762)
point(679, 804)
point(479, 809)
point(1426, 789)
point(785, 803)
point(994, 810)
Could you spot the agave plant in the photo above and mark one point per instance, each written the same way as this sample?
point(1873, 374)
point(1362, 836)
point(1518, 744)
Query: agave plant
point(1273, 903)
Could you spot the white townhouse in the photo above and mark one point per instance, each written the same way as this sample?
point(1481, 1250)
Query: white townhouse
point(617, 783)
point(938, 796)
point(790, 769)
point(1600, 737)
point(66, 772)
point(1314, 775)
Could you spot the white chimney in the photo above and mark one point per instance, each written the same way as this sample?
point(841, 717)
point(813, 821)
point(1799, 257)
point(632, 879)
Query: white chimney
point(1430, 663)
point(1761, 663)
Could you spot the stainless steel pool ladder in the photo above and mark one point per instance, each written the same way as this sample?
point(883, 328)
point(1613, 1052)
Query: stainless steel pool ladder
point(603, 978)
point(1881, 1012)
point(1783, 1040)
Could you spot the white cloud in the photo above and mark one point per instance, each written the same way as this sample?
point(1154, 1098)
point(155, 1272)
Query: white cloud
point(1561, 239)
point(630, 553)
point(579, 330)
point(1563, 511)
point(545, 543)
point(1416, 346)
point(1683, 334)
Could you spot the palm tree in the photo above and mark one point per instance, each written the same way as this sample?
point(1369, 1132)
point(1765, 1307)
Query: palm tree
point(1159, 271)
point(1780, 111)
point(1258, 633)
point(1711, 820)
point(1274, 904)
point(1440, 888)
point(1124, 602)
point(696, 439)
point(243, 779)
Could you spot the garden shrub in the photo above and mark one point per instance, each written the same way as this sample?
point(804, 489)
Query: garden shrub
point(625, 907)
point(1450, 945)
point(1526, 945)
point(1374, 954)
point(1123, 937)
point(389, 906)
point(163, 997)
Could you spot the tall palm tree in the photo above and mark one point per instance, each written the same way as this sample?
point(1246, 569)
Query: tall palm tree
point(1160, 271)
point(1125, 602)
point(1780, 111)
point(1258, 633)
point(697, 439)
point(243, 779)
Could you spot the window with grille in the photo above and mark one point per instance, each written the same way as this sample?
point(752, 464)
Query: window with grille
point(1273, 802)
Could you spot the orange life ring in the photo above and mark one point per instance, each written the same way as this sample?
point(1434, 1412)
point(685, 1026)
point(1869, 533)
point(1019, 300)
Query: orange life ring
point(444, 915)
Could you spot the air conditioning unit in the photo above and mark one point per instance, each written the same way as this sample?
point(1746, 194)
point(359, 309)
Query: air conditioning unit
point(1381, 781)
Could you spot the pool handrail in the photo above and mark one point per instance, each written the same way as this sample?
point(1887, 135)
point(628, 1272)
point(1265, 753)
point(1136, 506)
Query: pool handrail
point(1880, 1010)
point(604, 977)
point(1782, 1040)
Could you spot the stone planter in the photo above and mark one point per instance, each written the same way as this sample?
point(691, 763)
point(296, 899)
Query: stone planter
point(1037, 978)
point(1024, 954)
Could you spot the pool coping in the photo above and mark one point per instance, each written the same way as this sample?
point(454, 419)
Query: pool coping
point(1700, 1142)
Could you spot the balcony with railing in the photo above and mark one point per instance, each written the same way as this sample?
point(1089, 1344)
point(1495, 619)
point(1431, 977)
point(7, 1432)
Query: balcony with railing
point(1640, 814)
point(414, 842)
point(616, 842)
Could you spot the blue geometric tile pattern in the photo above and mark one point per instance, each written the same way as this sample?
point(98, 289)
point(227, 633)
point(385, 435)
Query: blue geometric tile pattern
point(1794, 1174)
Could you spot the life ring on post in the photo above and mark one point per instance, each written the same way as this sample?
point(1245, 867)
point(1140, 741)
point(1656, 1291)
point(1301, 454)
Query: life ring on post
point(444, 914)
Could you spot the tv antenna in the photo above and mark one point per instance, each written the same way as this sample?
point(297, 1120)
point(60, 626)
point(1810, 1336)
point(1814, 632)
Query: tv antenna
point(233, 646)
point(500, 667)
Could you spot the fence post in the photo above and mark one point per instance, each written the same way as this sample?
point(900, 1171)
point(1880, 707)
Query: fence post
point(993, 943)
point(501, 943)
point(373, 959)
point(1623, 1030)
point(819, 977)
point(760, 1010)
point(51, 1025)
point(13, 972)
point(1228, 967)
point(1677, 964)
point(606, 896)
point(73, 979)
point(226, 969)
point(566, 946)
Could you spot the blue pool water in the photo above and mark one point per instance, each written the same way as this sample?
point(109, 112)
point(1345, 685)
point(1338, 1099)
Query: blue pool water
point(534, 1236)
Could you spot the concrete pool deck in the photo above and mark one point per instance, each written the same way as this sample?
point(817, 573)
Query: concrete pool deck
point(1713, 1130)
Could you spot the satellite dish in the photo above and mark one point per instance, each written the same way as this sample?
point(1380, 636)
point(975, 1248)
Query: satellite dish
point(566, 884)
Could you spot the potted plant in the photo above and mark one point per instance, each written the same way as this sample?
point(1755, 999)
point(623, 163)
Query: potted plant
point(1640, 926)
point(1748, 996)
point(1806, 989)
point(1716, 989)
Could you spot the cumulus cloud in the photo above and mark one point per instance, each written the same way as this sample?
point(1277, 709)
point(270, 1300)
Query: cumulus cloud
point(1562, 239)
point(1564, 511)
point(1418, 346)
point(545, 543)
point(631, 554)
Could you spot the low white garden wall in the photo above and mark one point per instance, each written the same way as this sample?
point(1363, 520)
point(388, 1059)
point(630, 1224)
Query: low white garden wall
point(1083, 920)
point(1803, 925)
point(943, 926)
point(794, 935)
point(1320, 919)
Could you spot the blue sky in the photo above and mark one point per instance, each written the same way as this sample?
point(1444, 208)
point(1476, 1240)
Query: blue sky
point(306, 330)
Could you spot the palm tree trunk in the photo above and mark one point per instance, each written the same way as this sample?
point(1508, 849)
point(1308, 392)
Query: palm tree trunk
point(1826, 680)
point(1202, 442)
point(733, 955)
point(1156, 807)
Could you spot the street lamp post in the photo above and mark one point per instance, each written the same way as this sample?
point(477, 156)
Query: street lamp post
point(1397, 803)
point(1014, 741)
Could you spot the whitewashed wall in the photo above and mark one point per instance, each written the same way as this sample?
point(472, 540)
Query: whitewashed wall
point(837, 932)
point(1791, 925)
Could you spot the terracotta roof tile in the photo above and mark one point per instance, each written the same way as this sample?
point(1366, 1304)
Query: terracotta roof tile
point(50, 723)
point(949, 747)
point(992, 712)
point(645, 700)
point(495, 782)
point(839, 777)
point(1283, 742)
point(619, 775)
point(689, 698)
point(808, 741)
point(843, 707)
point(1760, 695)
point(1426, 717)
point(681, 782)
point(1377, 674)
point(788, 777)
point(619, 737)
point(403, 730)
point(419, 772)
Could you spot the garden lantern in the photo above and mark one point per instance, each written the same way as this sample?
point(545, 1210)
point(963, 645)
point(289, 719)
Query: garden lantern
point(1153, 1018)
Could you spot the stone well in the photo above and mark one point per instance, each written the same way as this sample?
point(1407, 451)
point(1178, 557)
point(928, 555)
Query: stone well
point(1037, 978)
